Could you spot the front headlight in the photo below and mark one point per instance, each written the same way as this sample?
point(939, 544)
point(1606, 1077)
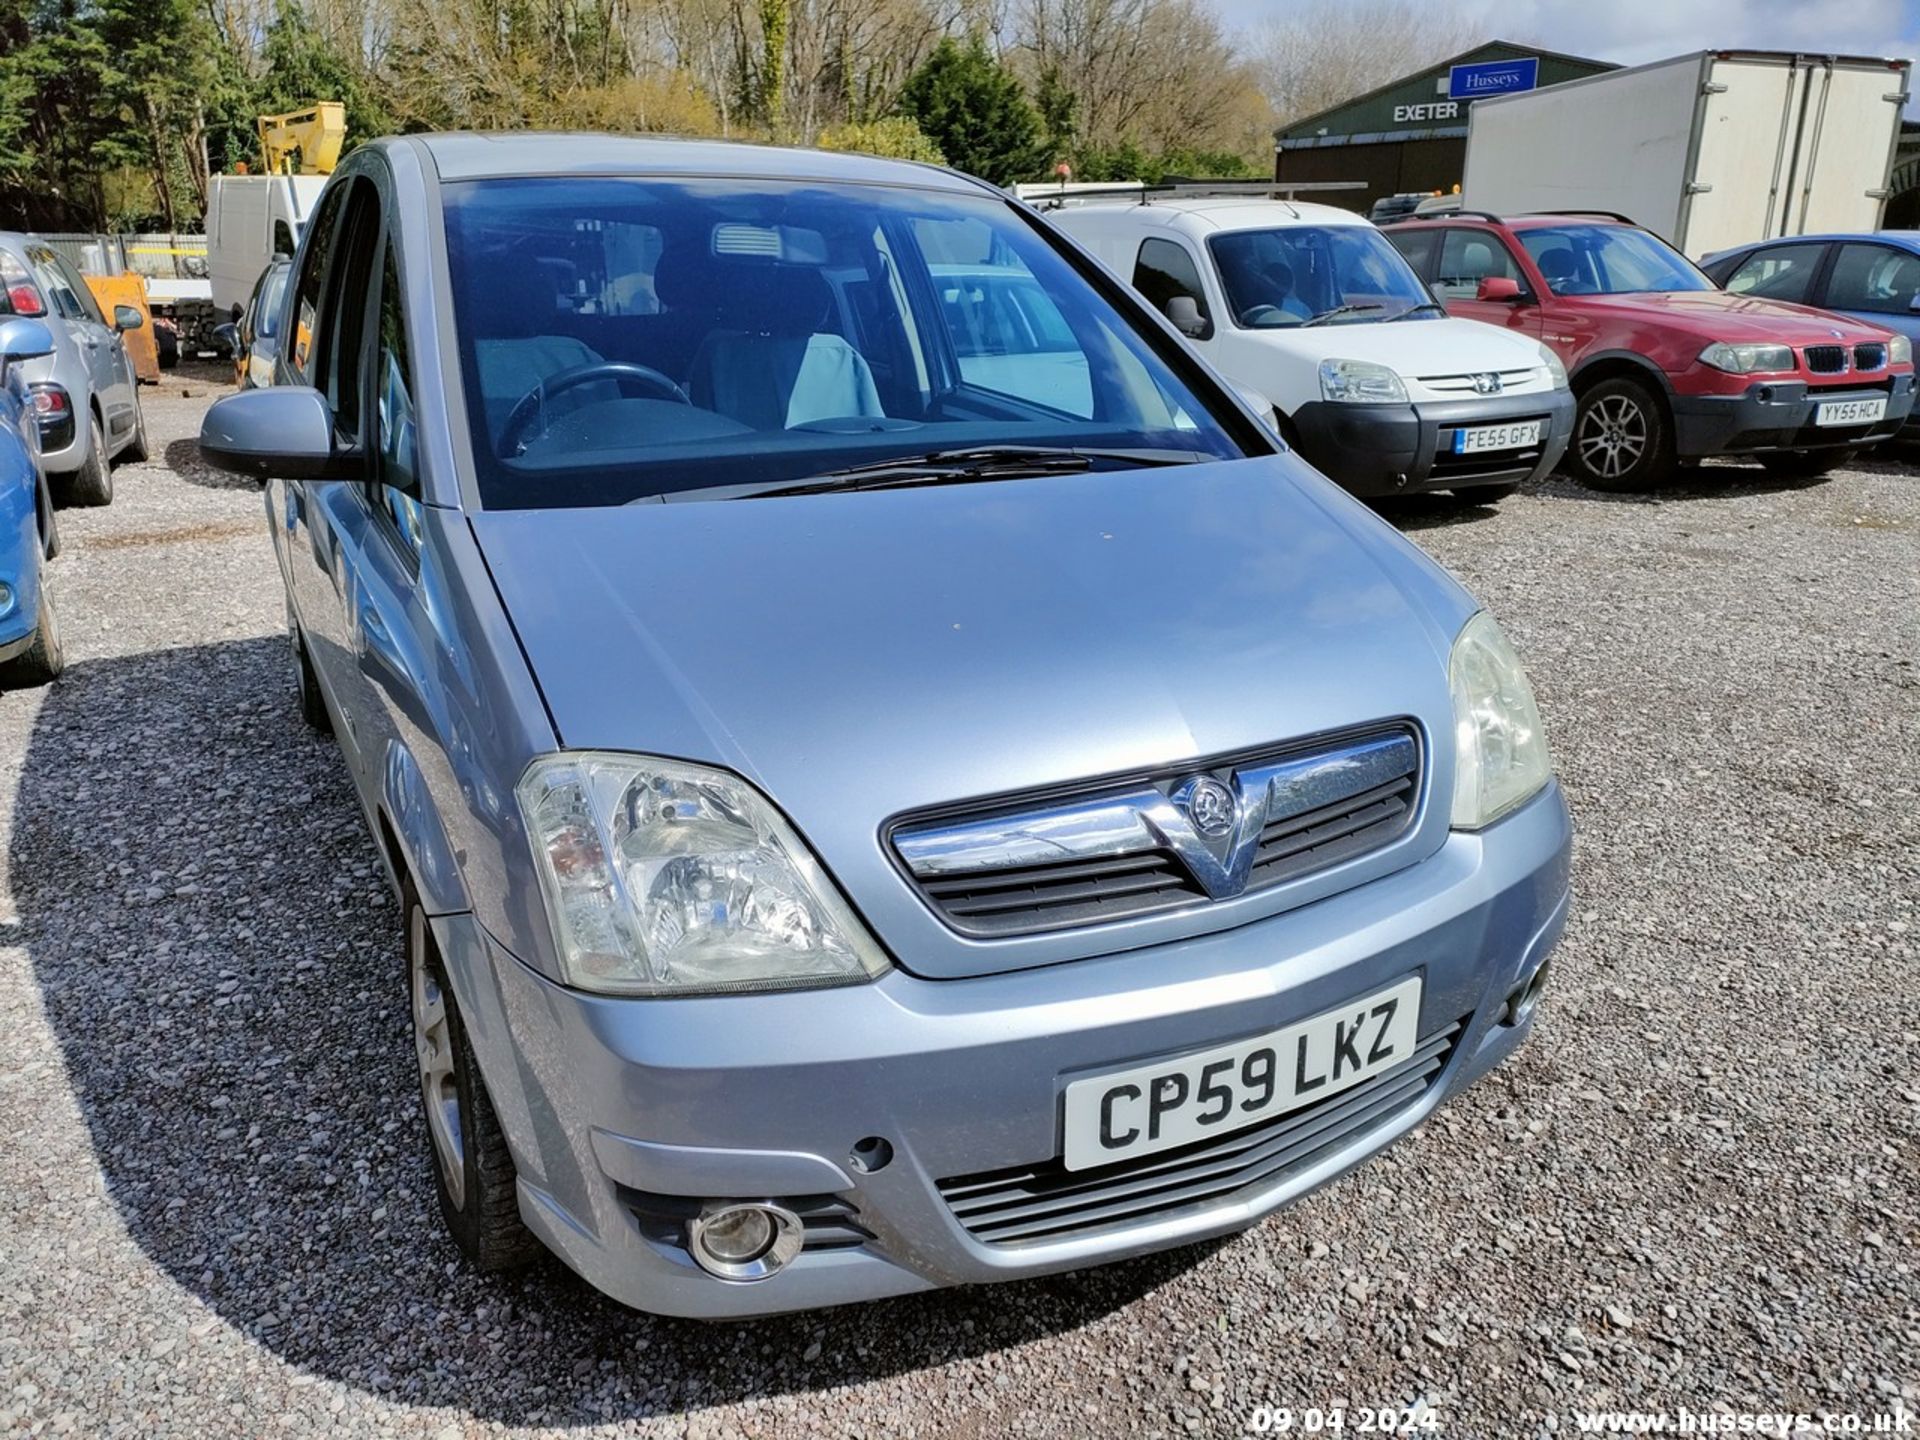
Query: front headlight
point(662, 877)
point(1360, 382)
point(1556, 372)
point(1745, 359)
point(1899, 350)
point(1500, 748)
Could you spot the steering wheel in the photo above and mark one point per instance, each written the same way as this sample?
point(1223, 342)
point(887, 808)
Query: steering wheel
point(1255, 316)
point(621, 372)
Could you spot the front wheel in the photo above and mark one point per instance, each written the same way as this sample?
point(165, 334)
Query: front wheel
point(1621, 438)
point(45, 657)
point(1804, 464)
point(473, 1171)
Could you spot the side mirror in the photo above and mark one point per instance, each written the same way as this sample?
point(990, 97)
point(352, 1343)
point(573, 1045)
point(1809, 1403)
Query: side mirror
point(285, 431)
point(127, 317)
point(1258, 403)
point(1913, 305)
point(1498, 288)
point(1184, 312)
point(23, 340)
point(228, 335)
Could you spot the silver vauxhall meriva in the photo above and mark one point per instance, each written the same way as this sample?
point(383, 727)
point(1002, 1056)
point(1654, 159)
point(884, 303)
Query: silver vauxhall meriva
point(895, 776)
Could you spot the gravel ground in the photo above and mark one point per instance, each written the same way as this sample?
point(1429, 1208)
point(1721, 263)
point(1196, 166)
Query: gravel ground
point(1695, 1188)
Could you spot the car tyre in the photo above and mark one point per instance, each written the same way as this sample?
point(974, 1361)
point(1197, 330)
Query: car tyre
point(473, 1170)
point(136, 449)
point(313, 705)
point(1622, 440)
point(92, 483)
point(45, 658)
point(1804, 464)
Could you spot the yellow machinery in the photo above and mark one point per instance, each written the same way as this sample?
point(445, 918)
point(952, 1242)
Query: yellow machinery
point(304, 142)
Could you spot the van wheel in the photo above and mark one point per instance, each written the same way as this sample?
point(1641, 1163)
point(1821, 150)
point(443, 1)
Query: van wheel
point(1805, 464)
point(92, 483)
point(472, 1170)
point(1621, 438)
point(136, 450)
point(45, 658)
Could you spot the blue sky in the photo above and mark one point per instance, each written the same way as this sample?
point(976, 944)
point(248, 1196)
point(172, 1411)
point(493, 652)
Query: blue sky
point(1631, 31)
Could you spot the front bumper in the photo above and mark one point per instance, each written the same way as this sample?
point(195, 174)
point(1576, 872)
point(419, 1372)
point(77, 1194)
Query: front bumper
point(1779, 415)
point(610, 1104)
point(1403, 449)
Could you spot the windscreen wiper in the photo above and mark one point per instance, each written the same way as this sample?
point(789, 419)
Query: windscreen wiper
point(954, 467)
point(1337, 311)
point(1433, 305)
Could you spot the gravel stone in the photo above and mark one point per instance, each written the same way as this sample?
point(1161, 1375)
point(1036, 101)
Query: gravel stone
point(216, 1216)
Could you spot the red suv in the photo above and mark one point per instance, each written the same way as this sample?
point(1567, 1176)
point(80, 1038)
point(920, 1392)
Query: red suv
point(1666, 367)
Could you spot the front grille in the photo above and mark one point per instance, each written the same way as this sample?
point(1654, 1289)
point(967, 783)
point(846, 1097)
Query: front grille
point(1122, 851)
point(1471, 384)
point(1870, 356)
point(1074, 892)
point(1826, 359)
point(1027, 1203)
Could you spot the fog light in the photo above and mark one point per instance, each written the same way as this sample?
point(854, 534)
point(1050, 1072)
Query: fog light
point(1522, 1002)
point(744, 1241)
point(6, 598)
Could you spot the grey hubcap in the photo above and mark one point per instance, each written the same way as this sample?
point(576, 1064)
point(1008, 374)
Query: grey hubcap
point(1612, 436)
point(433, 1046)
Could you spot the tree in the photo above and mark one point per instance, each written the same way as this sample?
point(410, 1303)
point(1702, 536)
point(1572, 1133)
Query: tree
point(972, 107)
point(896, 137)
point(1317, 55)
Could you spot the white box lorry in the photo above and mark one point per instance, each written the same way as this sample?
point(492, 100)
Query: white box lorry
point(1707, 150)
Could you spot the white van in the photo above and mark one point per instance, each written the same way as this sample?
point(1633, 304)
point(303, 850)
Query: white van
point(1311, 307)
point(250, 220)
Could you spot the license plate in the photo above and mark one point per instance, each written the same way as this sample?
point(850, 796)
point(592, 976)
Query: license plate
point(1166, 1103)
point(1851, 412)
point(1474, 439)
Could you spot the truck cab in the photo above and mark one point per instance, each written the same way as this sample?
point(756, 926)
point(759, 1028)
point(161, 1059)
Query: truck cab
point(1309, 306)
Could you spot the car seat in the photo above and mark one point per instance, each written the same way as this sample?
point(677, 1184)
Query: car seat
point(772, 361)
point(1561, 271)
point(518, 310)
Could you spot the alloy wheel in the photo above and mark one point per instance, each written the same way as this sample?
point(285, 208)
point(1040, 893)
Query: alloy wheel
point(433, 1046)
point(1613, 435)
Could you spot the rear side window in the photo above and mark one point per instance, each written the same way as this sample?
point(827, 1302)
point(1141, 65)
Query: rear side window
point(1164, 270)
point(1779, 272)
point(68, 292)
point(1875, 278)
point(1469, 256)
point(1417, 244)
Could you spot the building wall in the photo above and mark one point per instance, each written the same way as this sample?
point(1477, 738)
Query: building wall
point(1387, 169)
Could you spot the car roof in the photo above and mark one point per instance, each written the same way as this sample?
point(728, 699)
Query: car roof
point(1905, 239)
point(1218, 213)
point(499, 154)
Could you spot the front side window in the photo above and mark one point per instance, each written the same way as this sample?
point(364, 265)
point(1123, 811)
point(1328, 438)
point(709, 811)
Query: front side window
point(624, 339)
point(396, 432)
point(306, 306)
point(266, 305)
point(1165, 271)
point(1877, 279)
point(1780, 272)
point(1325, 273)
point(1469, 256)
point(1609, 260)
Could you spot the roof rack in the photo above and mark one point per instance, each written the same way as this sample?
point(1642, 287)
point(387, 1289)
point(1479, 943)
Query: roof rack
point(1588, 214)
point(1051, 195)
point(1487, 215)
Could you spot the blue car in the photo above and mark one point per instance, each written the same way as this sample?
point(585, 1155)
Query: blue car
point(30, 652)
point(866, 823)
point(1875, 278)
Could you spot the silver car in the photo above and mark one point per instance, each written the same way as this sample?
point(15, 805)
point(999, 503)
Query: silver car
point(85, 395)
point(887, 789)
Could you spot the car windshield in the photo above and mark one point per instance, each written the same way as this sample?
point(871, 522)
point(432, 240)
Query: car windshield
point(626, 339)
point(1609, 260)
point(1294, 274)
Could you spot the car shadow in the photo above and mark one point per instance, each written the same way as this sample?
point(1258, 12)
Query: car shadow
point(219, 959)
point(1431, 511)
point(183, 457)
point(1720, 480)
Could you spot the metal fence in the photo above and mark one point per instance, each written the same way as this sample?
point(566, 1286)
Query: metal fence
point(155, 256)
